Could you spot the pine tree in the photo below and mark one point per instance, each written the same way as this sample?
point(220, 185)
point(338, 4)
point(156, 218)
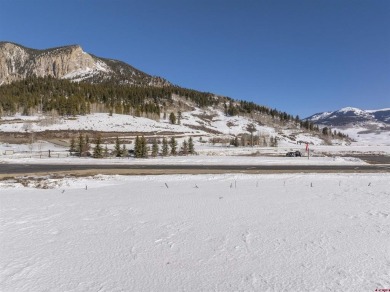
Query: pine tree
point(172, 118)
point(144, 147)
point(325, 131)
point(72, 147)
point(173, 145)
point(140, 147)
point(137, 148)
point(80, 145)
point(98, 150)
point(191, 147)
point(117, 147)
point(154, 148)
point(87, 145)
point(184, 148)
point(236, 143)
point(225, 108)
point(83, 108)
point(164, 147)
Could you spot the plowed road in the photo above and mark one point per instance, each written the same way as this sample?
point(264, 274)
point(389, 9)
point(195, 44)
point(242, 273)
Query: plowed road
point(9, 170)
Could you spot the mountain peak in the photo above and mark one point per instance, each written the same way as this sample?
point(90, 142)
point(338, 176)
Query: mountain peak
point(350, 109)
point(68, 62)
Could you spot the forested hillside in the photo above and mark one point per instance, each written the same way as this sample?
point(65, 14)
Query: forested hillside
point(64, 97)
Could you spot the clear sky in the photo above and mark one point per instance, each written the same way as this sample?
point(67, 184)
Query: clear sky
point(298, 56)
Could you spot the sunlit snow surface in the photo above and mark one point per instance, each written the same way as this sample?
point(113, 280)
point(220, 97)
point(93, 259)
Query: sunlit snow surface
point(233, 232)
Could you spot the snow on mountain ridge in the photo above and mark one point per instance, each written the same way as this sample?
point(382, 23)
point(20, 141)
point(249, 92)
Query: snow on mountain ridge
point(378, 110)
point(348, 115)
point(319, 116)
point(355, 110)
point(361, 125)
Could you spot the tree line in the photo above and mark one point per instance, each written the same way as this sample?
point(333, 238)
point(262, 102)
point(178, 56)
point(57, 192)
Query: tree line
point(70, 98)
point(82, 145)
point(67, 98)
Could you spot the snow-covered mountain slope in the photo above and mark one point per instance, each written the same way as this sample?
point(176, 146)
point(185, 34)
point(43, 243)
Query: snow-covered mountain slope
point(365, 126)
point(196, 121)
point(68, 62)
point(351, 115)
point(207, 123)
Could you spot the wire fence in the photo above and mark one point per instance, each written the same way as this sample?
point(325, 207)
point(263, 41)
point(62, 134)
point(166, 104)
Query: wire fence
point(52, 154)
point(36, 154)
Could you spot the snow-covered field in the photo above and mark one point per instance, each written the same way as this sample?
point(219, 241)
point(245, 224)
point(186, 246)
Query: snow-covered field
point(207, 155)
point(231, 232)
point(193, 160)
point(366, 137)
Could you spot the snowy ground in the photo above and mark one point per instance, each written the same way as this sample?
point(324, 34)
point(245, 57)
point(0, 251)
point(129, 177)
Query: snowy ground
point(210, 155)
point(217, 121)
point(233, 232)
point(207, 154)
point(366, 137)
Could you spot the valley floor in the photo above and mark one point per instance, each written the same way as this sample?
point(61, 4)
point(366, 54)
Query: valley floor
point(230, 232)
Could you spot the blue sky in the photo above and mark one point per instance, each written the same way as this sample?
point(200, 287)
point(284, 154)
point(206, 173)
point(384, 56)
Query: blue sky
point(299, 56)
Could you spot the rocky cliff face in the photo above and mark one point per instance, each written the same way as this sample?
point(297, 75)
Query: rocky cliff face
point(12, 58)
point(70, 62)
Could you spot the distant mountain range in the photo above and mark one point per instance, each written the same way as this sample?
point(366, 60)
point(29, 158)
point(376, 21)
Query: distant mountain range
point(69, 62)
point(364, 126)
point(350, 116)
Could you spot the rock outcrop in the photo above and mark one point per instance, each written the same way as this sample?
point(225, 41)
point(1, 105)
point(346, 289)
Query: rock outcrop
point(69, 62)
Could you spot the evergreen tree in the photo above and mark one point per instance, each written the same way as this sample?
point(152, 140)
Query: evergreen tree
point(72, 147)
point(325, 131)
point(87, 145)
point(164, 147)
point(80, 145)
point(184, 148)
point(140, 147)
point(98, 150)
point(172, 118)
point(173, 145)
point(191, 147)
point(236, 143)
point(117, 147)
point(154, 148)
point(144, 147)
point(83, 108)
point(297, 119)
point(137, 148)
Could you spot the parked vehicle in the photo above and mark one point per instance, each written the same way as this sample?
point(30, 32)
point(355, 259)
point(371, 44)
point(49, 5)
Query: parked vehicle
point(294, 154)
